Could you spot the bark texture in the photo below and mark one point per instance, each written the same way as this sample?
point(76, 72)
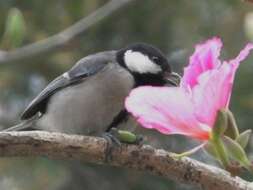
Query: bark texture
point(143, 158)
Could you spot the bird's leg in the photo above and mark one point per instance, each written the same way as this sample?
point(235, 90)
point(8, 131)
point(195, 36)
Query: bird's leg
point(110, 136)
point(122, 135)
point(112, 142)
point(115, 137)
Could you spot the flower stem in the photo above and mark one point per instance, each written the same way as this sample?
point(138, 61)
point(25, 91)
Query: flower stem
point(189, 152)
point(221, 152)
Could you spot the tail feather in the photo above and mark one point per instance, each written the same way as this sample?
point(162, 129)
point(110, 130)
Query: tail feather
point(26, 124)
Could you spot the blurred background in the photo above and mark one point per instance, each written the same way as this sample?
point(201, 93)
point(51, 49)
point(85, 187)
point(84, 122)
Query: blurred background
point(174, 26)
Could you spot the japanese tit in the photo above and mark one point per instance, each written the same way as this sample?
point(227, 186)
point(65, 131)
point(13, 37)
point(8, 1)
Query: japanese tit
point(89, 98)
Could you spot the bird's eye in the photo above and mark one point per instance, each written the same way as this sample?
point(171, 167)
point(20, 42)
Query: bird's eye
point(155, 59)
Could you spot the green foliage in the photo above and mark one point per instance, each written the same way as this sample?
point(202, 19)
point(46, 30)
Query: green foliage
point(226, 143)
point(232, 129)
point(220, 124)
point(15, 29)
point(210, 149)
point(236, 152)
point(243, 138)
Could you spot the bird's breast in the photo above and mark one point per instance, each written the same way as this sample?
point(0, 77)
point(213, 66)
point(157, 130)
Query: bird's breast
point(90, 106)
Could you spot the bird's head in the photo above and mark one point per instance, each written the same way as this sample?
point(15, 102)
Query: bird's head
point(147, 64)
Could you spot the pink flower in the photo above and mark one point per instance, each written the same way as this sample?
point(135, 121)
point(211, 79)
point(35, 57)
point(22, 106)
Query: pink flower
point(191, 108)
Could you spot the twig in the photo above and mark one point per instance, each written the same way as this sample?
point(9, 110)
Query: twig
point(144, 158)
point(61, 39)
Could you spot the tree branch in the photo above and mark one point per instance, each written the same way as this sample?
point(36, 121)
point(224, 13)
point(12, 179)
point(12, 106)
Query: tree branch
point(144, 158)
point(251, 1)
point(61, 39)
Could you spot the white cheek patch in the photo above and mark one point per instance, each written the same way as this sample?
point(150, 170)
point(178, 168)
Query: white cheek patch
point(137, 62)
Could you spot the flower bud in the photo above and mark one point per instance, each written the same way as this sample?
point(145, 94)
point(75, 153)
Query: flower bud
point(232, 129)
point(243, 138)
point(220, 124)
point(236, 151)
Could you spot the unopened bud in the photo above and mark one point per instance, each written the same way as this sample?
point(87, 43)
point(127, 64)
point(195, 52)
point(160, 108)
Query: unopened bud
point(243, 138)
point(232, 129)
point(220, 124)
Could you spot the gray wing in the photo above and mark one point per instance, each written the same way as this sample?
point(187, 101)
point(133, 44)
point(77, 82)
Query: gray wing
point(84, 68)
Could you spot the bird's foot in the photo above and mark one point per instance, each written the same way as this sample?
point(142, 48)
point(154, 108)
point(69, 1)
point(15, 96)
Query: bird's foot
point(112, 142)
point(115, 137)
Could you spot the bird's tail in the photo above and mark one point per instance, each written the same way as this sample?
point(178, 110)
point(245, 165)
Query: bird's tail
point(26, 124)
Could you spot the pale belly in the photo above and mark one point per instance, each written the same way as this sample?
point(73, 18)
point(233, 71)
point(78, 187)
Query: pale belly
point(89, 107)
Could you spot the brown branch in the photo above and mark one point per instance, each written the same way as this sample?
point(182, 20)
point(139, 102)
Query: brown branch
point(61, 39)
point(251, 1)
point(144, 158)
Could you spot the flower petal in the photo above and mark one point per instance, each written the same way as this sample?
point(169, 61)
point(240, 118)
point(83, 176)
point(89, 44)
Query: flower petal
point(203, 59)
point(242, 55)
point(168, 110)
point(234, 63)
point(215, 87)
point(212, 93)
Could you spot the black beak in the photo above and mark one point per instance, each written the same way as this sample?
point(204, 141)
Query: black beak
point(172, 79)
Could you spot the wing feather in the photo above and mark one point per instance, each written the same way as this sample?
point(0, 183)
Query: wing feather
point(84, 68)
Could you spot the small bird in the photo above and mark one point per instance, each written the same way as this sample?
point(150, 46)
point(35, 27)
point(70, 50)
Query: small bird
point(89, 98)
